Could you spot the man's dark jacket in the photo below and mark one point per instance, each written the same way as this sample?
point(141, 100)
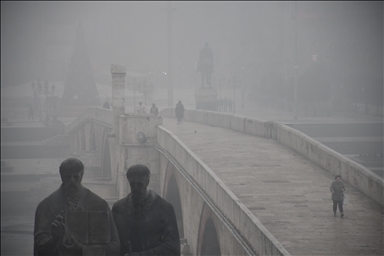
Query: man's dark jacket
point(152, 232)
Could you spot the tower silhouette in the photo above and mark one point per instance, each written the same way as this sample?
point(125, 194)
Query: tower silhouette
point(80, 87)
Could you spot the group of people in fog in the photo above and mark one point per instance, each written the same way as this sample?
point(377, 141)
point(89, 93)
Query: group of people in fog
point(142, 109)
point(224, 105)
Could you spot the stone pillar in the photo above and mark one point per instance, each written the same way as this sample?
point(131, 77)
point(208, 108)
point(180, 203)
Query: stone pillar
point(137, 138)
point(118, 93)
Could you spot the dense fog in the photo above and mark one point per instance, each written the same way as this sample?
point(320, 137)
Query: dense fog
point(316, 67)
point(339, 44)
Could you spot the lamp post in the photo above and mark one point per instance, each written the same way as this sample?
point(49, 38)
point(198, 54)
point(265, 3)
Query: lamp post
point(242, 93)
point(134, 83)
point(35, 96)
point(40, 90)
point(235, 81)
point(296, 64)
point(54, 102)
point(46, 91)
point(221, 81)
point(145, 84)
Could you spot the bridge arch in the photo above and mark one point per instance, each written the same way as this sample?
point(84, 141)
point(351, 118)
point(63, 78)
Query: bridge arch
point(171, 193)
point(208, 239)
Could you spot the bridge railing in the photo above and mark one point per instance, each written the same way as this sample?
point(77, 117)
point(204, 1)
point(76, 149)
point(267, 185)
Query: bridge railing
point(260, 239)
point(354, 173)
point(93, 113)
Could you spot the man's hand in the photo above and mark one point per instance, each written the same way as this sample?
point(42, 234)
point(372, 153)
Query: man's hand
point(70, 244)
point(58, 228)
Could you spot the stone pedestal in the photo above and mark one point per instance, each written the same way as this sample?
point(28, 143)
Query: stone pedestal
point(136, 141)
point(206, 98)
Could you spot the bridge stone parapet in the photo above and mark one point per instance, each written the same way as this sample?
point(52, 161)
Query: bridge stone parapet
point(93, 113)
point(357, 175)
point(252, 237)
point(354, 173)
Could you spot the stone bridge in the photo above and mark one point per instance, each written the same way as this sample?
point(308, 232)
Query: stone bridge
point(212, 218)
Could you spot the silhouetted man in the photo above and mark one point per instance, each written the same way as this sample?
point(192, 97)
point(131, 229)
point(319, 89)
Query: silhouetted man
point(179, 111)
point(146, 222)
point(154, 110)
point(62, 219)
point(106, 105)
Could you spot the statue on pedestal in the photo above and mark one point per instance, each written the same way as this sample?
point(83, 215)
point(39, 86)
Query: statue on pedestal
point(205, 65)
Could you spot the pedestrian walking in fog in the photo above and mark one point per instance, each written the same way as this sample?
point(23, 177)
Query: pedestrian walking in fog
point(106, 105)
point(154, 110)
point(179, 110)
point(140, 109)
point(337, 188)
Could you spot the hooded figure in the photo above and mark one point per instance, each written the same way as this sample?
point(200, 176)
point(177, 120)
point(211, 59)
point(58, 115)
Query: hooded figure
point(179, 110)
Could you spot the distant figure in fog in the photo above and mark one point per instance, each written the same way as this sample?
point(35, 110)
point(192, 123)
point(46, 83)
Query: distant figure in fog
point(140, 109)
point(179, 110)
point(154, 110)
point(205, 65)
point(337, 188)
point(106, 105)
point(31, 113)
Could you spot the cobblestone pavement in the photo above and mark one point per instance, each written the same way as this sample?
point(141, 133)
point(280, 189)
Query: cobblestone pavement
point(286, 192)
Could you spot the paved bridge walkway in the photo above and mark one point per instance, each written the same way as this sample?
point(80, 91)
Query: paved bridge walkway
point(286, 192)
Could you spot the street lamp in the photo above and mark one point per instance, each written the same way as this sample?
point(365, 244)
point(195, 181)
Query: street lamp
point(242, 93)
point(54, 102)
point(235, 81)
point(296, 64)
point(46, 91)
point(134, 83)
point(40, 90)
point(35, 96)
point(222, 79)
point(144, 89)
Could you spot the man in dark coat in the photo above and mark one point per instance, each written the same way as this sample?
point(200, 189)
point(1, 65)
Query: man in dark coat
point(179, 111)
point(146, 222)
point(337, 188)
point(53, 234)
point(154, 110)
point(106, 105)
